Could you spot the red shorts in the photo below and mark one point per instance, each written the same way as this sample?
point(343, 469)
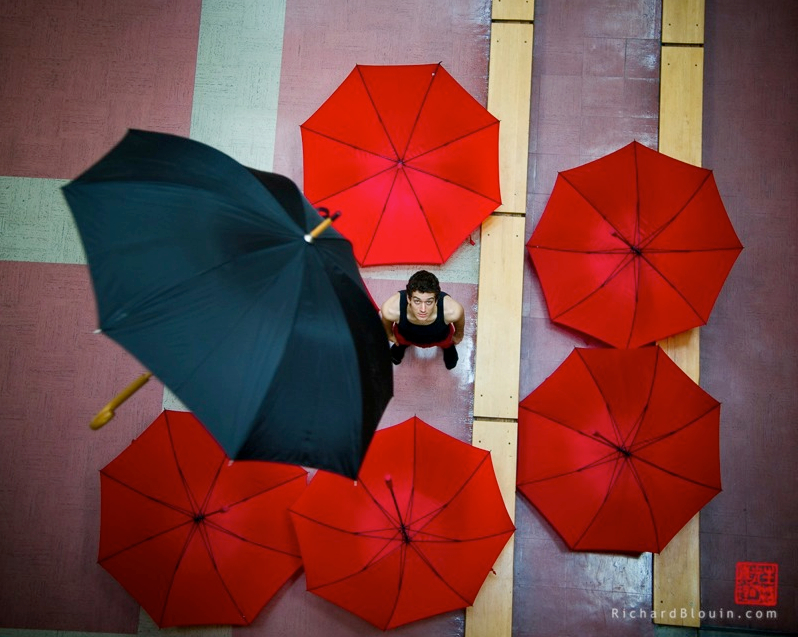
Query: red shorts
point(400, 340)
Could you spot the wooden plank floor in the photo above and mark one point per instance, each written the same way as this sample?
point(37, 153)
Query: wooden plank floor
point(498, 338)
point(676, 572)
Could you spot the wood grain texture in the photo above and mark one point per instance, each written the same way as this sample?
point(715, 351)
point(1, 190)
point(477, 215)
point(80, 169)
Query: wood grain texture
point(497, 366)
point(509, 93)
point(518, 10)
point(492, 612)
point(681, 103)
point(683, 21)
point(677, 579)
point(676, 570)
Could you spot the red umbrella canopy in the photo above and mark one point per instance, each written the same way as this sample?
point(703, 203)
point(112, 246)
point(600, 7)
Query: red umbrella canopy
point(633, 247)
point(195, 538)
point(414, 536)
point(618, 449)
point(408, 156)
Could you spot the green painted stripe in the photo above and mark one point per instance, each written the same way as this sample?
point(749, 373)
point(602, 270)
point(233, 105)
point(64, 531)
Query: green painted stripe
point(238, 78)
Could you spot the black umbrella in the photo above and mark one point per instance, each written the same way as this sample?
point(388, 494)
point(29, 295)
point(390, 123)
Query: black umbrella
point(207, 272)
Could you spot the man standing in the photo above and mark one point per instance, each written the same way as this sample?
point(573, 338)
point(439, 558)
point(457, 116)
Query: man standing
point(423, 316)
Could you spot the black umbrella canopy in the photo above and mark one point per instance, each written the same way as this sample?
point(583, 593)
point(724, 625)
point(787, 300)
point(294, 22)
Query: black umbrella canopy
point(205, 271)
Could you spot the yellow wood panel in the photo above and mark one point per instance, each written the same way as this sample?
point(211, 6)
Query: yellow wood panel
point(676, 576)
point(681, 103)
point(676, 571)
point(523, 10)
point(498, 340)
point(492, 612)
point(677, 580)
point(509, 95)
point(684, 349)
point(683, 21)
point(501, 439)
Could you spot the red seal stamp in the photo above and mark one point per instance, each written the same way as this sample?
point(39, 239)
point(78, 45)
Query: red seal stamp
point(756, 583)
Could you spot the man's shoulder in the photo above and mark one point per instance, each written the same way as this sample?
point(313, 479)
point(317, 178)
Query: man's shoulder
point(452, 310)
point(390, 309)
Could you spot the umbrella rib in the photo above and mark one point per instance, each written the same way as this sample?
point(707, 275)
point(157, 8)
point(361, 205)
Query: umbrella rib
point(674, 474)
point(611, 456)
point(152, 498)
point(636, 278)
point(382, 213)
point(354, 185)
point(646, 443)
point(426, 218)
point(374, 534)
point(650, 508)
point(435, 538)
point(635, 431)
point(231, 329)
point(255, 495)
point(637, 219)
point(189, 493)
point(615, 272)
point(174, 572)
point(379, 555)
point(613, 479)
point(402, 562)
point(209, 547)
point(613, 420)
point(421, 109)
point(349, 144)
point(218, 527)
point(451, 141)
point(654, 234)
point(452, 182)
point(437, 574)
point(668, 281)
point(617, 232)
point(144, 540)
point(431, 515)
point(146, 300)
point(377, 112)
point(574, 430)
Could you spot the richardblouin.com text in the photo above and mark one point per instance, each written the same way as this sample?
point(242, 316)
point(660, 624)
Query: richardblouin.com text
point(684, 613)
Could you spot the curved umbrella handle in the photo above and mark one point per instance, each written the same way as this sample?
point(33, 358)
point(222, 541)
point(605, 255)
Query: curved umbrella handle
point(107, 412)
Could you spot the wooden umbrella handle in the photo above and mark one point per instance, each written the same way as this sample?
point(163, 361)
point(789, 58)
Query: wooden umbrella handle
point(107, 412)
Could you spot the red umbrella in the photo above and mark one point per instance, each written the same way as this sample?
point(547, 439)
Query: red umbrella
point(633, 247)
point(195, 538)
point(618, 449)
point(414, 536)
point(408, 156)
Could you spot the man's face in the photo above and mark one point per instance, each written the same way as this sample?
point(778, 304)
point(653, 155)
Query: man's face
point(421, 305)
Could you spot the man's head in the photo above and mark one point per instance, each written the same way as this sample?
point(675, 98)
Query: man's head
point(422, 290)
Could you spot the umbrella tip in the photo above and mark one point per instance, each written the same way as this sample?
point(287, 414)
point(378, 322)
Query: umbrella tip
point(388, 480)
point(98, 331)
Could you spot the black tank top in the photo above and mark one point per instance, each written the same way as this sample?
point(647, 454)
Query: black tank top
point(435, 332)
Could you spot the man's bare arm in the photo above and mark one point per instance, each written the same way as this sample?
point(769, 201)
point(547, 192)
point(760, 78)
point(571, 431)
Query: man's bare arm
point(389, 313)
point(454, 313)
